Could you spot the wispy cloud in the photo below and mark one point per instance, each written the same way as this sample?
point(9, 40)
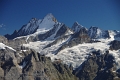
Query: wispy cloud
point(2, 25)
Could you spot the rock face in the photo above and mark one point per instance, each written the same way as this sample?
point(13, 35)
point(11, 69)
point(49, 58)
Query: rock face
point(81, 36)
point(40, 67)
point(98, 67)
point(7, 62)
point(95, 33)
point(64, 30)
point(115, 45)
point(76, 27)
point(17, 43)
point(27, 29)
point(77, 38)
point(3, 40)
point(32, 66)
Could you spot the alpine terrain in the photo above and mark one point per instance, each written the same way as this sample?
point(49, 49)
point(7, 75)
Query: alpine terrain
point(46, 49)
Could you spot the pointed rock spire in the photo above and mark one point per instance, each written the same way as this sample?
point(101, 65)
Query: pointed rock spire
point(76, 27)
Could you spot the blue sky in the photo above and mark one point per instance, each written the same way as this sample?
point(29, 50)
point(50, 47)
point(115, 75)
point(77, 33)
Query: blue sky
point(104, 14)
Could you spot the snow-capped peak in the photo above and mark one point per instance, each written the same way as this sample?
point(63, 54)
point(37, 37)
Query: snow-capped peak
point(50, 17)
point(36, 25)
point(76, 27)
point(48, 22)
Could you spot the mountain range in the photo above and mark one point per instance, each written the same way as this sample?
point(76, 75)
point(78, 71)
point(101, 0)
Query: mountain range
point(45, 49)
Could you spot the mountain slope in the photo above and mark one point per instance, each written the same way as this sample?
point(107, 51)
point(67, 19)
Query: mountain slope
point(27, 29)
point(78, 46)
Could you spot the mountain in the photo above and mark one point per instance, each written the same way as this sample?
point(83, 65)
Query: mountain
point(77, 38)
point(50, 50)
point(27, 29)
point(34, 25)
point(76, 27)
point(95, 33)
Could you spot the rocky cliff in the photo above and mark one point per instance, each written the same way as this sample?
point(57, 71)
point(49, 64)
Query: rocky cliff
point(30, 65)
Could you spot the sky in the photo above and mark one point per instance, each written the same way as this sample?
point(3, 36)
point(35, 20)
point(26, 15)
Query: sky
point(104, 14)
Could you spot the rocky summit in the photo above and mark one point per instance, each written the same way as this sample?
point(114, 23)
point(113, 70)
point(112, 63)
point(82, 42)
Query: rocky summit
point(46, 49)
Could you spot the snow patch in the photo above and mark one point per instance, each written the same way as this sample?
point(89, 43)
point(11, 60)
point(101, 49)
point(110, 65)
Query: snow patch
point(3, 46)
point(37, 46)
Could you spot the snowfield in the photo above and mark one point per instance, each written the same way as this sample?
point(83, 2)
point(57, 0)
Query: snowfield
point(75, 55)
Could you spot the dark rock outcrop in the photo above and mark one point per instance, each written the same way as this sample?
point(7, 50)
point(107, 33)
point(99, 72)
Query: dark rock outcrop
point(115, 45)
point(95, 33)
